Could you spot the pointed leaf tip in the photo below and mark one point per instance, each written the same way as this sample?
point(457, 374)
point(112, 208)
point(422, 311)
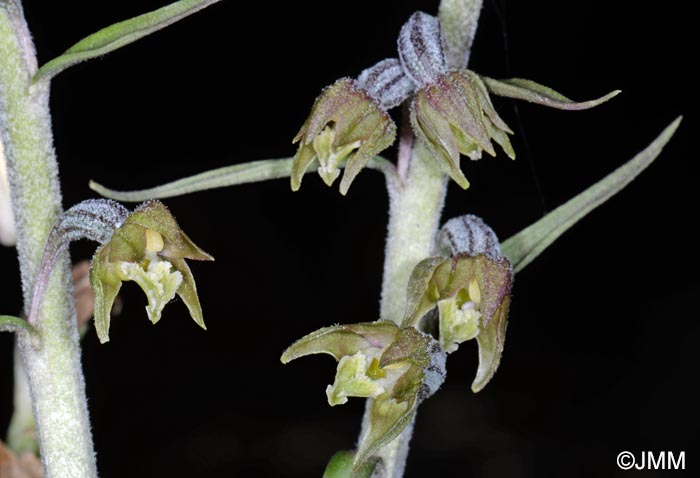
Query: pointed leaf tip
point(529, 243)
point(118, 35)
point(530, 91)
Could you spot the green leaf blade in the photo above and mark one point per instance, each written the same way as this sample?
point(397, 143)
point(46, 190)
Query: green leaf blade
point(529, 243)
point(120, 34)
point(340, 466)
point(216, 178)
point(10, 323)
point(528, 90)
point(226, 176)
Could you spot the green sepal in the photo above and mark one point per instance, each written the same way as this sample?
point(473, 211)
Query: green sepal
point(436, 279)
point(410, 346)
point(422, 362)
point(340, 466)
point(388, 418)
point(346, 126)
point(390, 414)
point(156, 216)
point(495, 279)
point(527, 90)
point(188, 291)
point(342, 340)
point(420, 297)
point(478, 282)
point(454, 116)
point(105, 286)
point(491, 339)
point(159, 268)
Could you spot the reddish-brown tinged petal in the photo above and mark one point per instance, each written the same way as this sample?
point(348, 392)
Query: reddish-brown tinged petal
point(345, 123)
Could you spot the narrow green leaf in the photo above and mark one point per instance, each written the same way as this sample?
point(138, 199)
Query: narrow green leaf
point(526, 245)
point(252, 172)
point(528, 90)
point(10, 323)
point(119, 35)
point(340, 466)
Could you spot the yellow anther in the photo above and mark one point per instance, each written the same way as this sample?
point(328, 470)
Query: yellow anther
point(154, 241)
point(374, 371)
point(474, 291)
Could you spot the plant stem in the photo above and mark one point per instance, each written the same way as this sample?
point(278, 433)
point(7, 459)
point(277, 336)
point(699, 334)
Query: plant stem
point(414, 210)
point(53, 362)
point(414, 215)
point(21, 437)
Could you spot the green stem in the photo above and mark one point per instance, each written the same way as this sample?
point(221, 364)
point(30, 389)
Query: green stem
point(52, 362)
point(21, 435)
point(414, 215)
point(414, 211)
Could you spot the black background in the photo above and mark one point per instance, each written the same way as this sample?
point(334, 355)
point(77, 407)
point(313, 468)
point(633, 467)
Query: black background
point(602, 344)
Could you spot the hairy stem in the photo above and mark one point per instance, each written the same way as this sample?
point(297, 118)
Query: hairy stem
point(52, 362)
point(414, 211)
point(21, 437)
point(414, 215)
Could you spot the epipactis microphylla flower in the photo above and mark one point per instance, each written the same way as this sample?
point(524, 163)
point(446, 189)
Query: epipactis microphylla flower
point(451, 112)
point(349, 122)
point(471, 290)
point(397, 367)
point(150, 249)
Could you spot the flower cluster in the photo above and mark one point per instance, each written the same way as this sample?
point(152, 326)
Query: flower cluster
point(398, 366)
point(450, 111)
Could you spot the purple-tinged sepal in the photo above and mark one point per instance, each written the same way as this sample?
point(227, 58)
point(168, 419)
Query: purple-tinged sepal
point(454, 115)
point(345, 125)
point(397, 367)
point(470, 289)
